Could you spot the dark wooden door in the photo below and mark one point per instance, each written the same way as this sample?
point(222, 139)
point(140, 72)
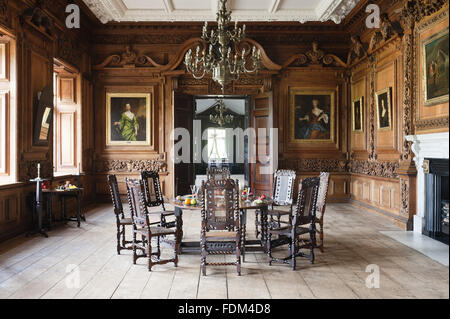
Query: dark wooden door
point(262, 118)
point(183, 117)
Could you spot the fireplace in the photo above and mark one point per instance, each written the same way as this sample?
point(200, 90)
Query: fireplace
point(436, 199)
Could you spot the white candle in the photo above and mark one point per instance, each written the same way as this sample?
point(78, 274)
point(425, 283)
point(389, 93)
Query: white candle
point(39, 170)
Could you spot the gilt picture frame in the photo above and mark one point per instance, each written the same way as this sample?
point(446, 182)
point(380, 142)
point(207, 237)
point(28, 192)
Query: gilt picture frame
point(384, 109)
point(128, 119)
point(358, 115)
point(435, 68)
point(312, 116)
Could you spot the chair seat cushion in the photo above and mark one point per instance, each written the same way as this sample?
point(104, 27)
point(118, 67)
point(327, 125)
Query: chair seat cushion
point(277, 212)
point(218, 235)
point(157, 231)
point(126, 221)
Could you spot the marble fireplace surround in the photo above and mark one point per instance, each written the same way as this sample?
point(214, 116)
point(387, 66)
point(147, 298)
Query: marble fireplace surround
point(426, 146)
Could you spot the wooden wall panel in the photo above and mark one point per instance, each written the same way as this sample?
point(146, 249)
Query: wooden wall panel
point(358, 140)
point(379, 194)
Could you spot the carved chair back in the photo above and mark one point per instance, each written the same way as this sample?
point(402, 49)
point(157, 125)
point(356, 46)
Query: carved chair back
point(152, 188)
point(283, 187)
point(305, 211)
point(136, 200)
point(323, 192)
point(218, 173)
point(115, 196)
point(220, 204)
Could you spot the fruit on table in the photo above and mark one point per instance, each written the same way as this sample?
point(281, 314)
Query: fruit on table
point(193, 201)
point(187, 201)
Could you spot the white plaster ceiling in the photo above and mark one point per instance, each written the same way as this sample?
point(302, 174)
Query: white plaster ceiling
point(205, 10)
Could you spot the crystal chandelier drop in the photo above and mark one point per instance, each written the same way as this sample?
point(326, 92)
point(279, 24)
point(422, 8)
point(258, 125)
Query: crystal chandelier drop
point(221, 119)
point(223, 59)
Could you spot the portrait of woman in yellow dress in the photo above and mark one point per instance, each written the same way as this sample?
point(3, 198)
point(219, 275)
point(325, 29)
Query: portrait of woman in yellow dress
point(128, 119)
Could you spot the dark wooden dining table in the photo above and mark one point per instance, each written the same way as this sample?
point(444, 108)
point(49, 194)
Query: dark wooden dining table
point(244, 206)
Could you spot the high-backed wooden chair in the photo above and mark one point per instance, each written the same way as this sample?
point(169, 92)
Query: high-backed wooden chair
point(218, 173)
point(143, 228)
point(121, 220)
point(154, 198)
point(321, 205)
point(221, 232)
point(283, 188)
point(303, 222)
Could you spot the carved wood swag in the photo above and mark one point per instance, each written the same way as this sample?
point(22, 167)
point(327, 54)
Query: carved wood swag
point(105, 166)
point(129, 58)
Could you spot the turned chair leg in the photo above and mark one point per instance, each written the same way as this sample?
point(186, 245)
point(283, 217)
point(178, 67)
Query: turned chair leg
point(203, 258)
point(176, 248)
point(312, 244)
point(158, 247)
point(134, 248)
point(279, 221)
point(123, 236)
point(256, 223)
point(269, 249)
point(149, 253)
point(118, 239)
point(321, 237)
point(238, 257)
point(293, 261)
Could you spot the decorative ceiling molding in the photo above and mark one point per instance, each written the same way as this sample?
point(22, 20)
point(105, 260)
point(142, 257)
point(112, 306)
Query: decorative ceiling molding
point(176, 10)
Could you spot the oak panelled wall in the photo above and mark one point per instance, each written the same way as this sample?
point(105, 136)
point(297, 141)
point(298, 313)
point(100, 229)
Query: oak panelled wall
point(34, 49)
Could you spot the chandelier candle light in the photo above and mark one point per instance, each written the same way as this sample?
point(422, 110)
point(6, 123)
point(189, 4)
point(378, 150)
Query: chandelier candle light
point(221, 119)
point(223, 59)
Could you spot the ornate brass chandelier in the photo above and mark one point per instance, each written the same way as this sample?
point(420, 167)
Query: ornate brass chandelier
point(221, 119)
point(223, 59)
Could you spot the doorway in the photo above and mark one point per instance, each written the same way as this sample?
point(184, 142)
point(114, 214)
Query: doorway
point(209, 141)
point(222, 121)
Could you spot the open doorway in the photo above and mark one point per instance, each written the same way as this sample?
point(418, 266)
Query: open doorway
point(219, 119)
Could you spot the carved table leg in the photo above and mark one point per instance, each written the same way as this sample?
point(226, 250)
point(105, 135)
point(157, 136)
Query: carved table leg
point(264, 227)
point(179, 222)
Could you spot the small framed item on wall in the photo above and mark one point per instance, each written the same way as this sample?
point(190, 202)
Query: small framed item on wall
point(384, 109)
point(44, 116)
point(358, 115)
point(128, 119)
point(435, 66)
point(312, 116)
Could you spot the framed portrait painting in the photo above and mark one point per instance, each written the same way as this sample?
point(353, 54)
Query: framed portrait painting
point(128, 119)
point(384, 109)
point(358, 115)
point(435, 66)
point(312, 115)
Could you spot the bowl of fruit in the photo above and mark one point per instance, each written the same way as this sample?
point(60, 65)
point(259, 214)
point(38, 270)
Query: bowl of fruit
point(260, 200)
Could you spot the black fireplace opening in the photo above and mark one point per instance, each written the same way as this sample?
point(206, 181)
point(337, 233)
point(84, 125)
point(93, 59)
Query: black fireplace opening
point(437, 200)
